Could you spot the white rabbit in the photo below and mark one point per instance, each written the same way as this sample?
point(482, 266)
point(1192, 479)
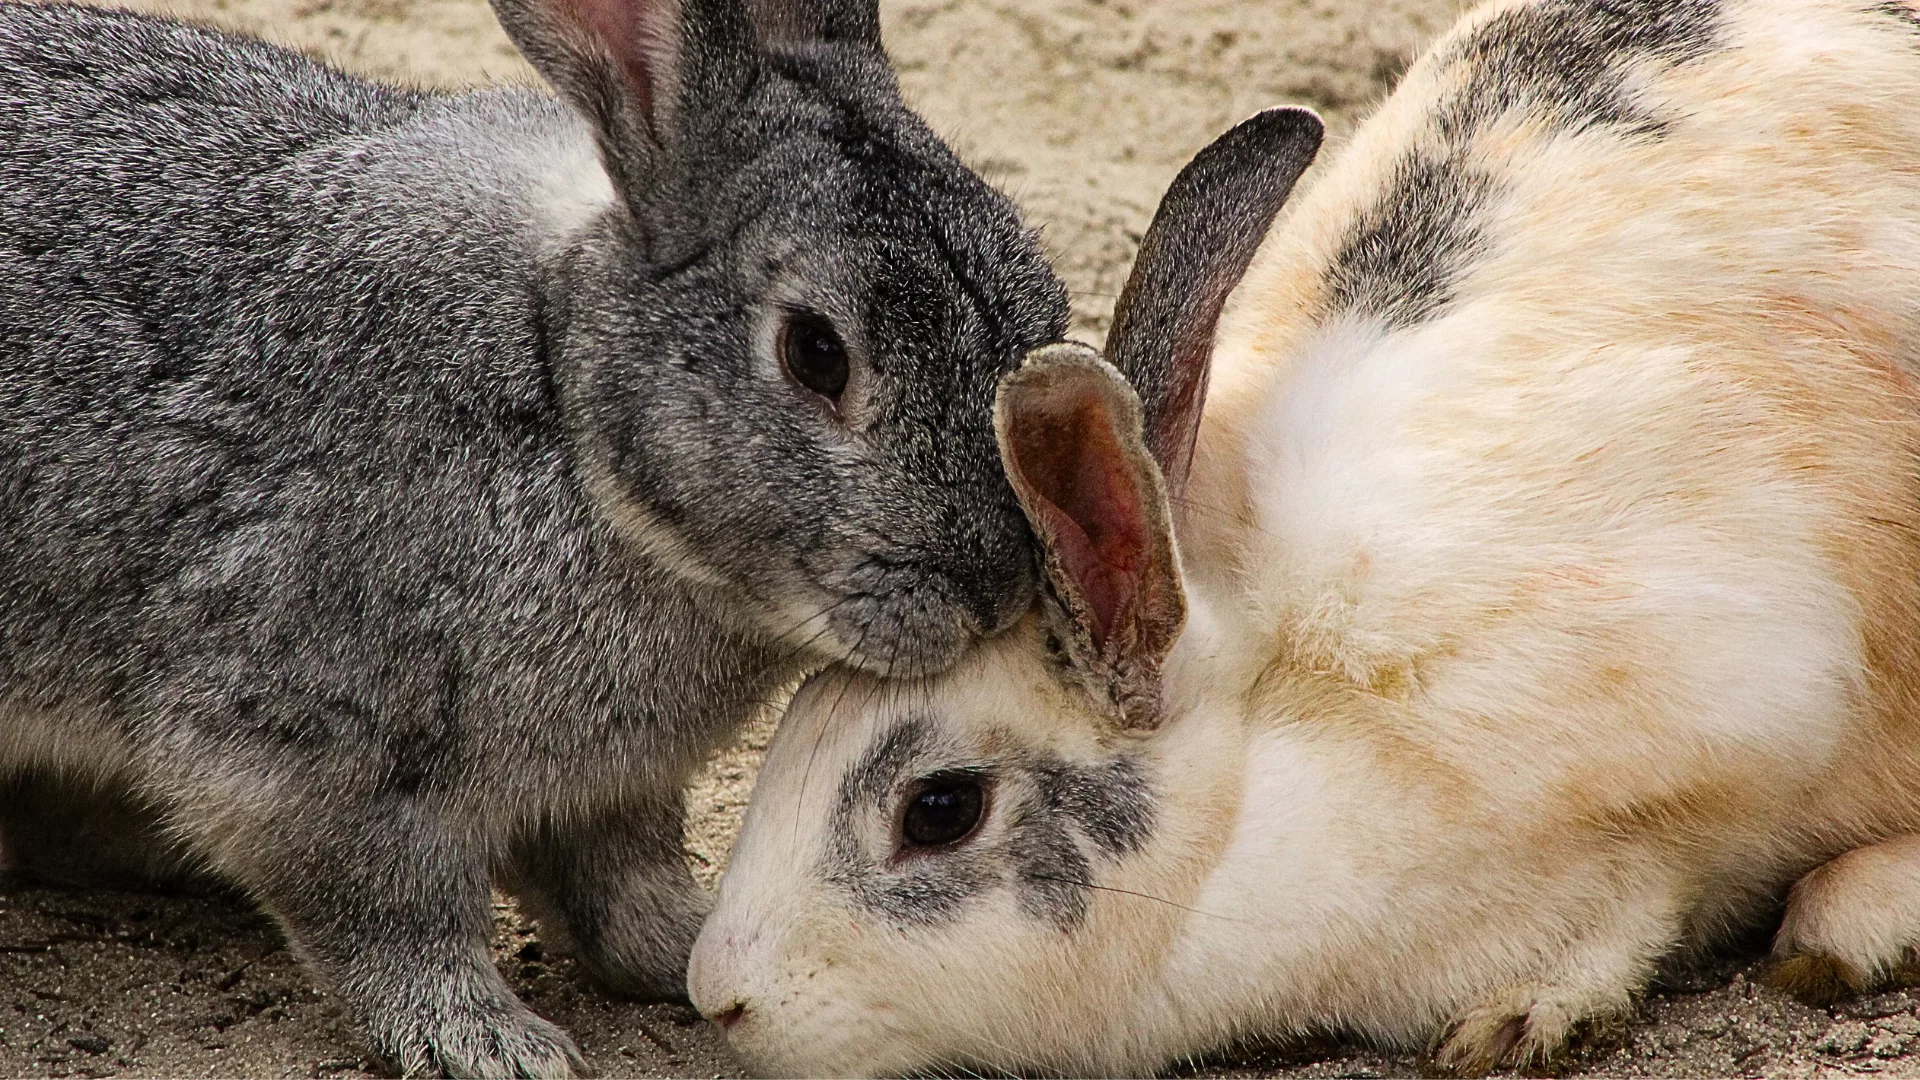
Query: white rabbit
point(1551, 570)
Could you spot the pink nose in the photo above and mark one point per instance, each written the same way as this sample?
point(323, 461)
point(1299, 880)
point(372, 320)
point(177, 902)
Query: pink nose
point(731, 1015)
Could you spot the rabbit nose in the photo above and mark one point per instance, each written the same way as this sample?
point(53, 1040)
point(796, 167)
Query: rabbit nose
point(993, 605)
point(731, 1015)
point(714, 977)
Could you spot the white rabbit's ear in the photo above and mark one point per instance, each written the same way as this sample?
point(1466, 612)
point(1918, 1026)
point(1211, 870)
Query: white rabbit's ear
point(1209, 225)
point(1071, 441)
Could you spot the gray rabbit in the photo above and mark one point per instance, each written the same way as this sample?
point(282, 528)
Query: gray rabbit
point(401, 492)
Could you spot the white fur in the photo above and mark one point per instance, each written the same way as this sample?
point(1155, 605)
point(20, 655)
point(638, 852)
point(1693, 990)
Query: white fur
point(573, 190)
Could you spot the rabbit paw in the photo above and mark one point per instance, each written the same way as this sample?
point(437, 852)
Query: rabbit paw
point(471, 1032)
point(1851, 924)
point(1817, 979)
point(615, 892)
point(1522, 1029)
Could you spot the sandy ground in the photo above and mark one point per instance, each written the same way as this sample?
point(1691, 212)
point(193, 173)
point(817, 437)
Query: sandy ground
point(1083, 110)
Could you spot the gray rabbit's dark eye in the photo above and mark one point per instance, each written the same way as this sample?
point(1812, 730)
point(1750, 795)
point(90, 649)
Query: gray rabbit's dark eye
point(814, 355)
point(944, 811)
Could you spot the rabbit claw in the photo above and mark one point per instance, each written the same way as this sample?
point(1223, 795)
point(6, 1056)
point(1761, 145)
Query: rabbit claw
point(1529, 1028)
point(476, 1034)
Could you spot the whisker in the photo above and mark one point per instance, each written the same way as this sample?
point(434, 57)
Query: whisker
point(1141, 895)
point(1222, 513)
point(1024, 1060)
point(825, 627)
point(820, 735)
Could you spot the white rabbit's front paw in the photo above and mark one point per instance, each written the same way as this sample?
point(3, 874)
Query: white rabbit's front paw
point(1527, 1026)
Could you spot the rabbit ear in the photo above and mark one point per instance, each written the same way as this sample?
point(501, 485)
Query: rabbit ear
point(1209, 225)
point(1070, 440)
point(625, 65)
point(647, 72)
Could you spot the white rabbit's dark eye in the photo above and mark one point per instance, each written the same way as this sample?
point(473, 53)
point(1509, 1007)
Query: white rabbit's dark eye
point(814, 355)
point(944, 811)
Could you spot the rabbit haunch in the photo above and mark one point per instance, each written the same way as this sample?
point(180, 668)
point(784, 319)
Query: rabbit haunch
point(401, 491)
point(1551, 560)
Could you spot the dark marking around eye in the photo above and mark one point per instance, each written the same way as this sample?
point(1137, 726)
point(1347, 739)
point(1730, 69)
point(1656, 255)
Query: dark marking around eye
point(1110, 803)
point(883, 767)
point(1058, 817)
point(1564, 60)
point(922, 891)
point(1052, 871)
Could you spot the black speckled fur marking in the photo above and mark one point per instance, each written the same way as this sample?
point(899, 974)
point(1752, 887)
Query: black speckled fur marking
point(1897, 10)
point(1401, 262)
point(1563, 60)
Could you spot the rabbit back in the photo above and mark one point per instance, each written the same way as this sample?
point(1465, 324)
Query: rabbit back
point(1561, 468)
point(1595, 417)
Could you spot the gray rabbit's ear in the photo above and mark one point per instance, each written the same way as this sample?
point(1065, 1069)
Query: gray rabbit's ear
point(787, 22)
point(1208, 227)
point(648, 73)
point(1071, 443)
point(634, 68)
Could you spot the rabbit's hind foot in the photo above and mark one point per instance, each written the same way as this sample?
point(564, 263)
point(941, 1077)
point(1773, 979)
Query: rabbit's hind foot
point(613, 890)
point(1851, 925)
point(1528, 1029)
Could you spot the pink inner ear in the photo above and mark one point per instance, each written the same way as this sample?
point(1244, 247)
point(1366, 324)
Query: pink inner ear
point(639, 35)
point(1089, 503)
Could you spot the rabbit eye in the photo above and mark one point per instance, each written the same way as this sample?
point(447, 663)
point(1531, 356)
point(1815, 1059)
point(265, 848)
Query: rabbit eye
point(814, 355)
point(943, 812)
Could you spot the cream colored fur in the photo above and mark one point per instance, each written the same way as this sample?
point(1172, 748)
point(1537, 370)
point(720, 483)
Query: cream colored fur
point(1527, 644)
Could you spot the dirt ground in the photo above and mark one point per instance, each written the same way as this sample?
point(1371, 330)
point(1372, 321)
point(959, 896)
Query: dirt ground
point(1083, 110)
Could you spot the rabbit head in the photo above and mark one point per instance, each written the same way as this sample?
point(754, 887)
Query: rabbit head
point(1024, 824)
point(779, 329)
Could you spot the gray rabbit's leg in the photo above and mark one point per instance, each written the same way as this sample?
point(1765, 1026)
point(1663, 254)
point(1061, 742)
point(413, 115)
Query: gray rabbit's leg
point(394, 907)
point(614, 890)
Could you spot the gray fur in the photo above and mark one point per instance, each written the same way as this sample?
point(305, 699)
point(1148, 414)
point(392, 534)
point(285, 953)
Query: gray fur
point(1055, 818)
point(1110, 803)
point(1401, 261)
point(384, 538)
